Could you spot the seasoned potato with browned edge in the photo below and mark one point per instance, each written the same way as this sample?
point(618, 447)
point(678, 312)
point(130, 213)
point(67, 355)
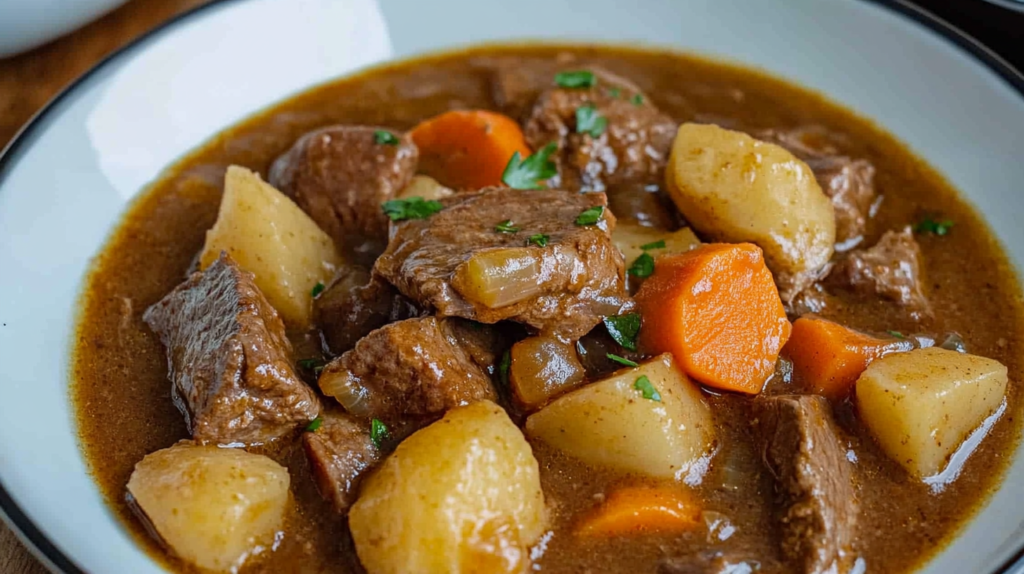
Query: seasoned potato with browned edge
point(922, 404)
point(214, 507)
point(461, 496)
point(733, 188)
point(270, 237)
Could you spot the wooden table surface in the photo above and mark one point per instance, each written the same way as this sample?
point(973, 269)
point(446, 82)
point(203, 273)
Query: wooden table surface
point(27, 82)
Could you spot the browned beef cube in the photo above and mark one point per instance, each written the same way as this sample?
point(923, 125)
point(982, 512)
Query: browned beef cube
point(633, 147)
point(564, 287)
point(817, 503)
point(229, 359)
point(891, 269)
point(356, 303)
point(340, 452)
point(515, 84)
point(414, 369)
point(341, 175)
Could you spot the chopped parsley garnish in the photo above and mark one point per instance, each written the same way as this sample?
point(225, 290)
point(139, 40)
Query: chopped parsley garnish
point(636, 100)
point(614, 92)
point(530, 172)
point(643, 384)
point(643, 266)
point(384, 137)
point(504, 366)
point(589, 121)
point(659, 244)
point(577, 79)
point(929, 225)
point(378, 432)
point(506, 227)
point(624, 329)
point(315, 424)
point(411, 208)
point(621, 360)
point(539, 239)
point(897, 334)
point(318, 288)
point(591, 215)
point(315, 365)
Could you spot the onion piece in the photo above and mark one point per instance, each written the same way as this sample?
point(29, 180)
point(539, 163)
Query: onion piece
point(500, 277)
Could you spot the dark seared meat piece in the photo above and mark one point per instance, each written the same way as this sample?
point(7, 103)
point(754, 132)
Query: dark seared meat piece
point(354, 304)
point(340, 176)
point(579, 274)
point(229, 359)
point(632, 149)
point(816, 502)
point(340, 452)
point(890, 269)
point(414, 369)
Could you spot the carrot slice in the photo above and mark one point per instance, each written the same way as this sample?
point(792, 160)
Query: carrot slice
point(717, 310)
point(828, 357)
point(468, 149)
point(642, 509)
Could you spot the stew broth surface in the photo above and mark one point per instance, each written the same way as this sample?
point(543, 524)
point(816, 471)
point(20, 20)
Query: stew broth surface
point(122, 394)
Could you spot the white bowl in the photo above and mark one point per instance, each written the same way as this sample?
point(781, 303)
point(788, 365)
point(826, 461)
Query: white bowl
point(66, 179)
point(25, 24)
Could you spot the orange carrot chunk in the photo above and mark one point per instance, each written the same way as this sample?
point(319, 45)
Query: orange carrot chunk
point(828, 357)
point(468, 149)
point(642, 509)
point(717, 310)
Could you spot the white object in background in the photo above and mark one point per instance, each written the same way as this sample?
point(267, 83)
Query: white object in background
point(25, 24)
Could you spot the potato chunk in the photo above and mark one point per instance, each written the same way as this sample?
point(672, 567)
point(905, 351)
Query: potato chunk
point(734, 188)
point(424, 187)
point(214, 507)
point(269, 236)
point(611, 423)
point(630, 238)
point(459, 496)
point(922, 404)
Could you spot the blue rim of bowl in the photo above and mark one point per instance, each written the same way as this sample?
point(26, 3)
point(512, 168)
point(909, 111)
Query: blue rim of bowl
point(54, 558)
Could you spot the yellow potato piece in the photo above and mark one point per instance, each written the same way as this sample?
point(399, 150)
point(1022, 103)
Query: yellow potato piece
point(214, 507)
point(921, 405)
point(630, 239)
point(610, 423)
point(271, 237)
point(461, 496)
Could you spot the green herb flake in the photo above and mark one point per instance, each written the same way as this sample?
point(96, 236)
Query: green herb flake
point(624, 329)
point(530, 172)
point(636, 100)
point(318, 288)
point(939, 228)
point(314, 424)
point(411, 208)
point(504, 366)
point(378, 432)
point(591, 215)
point(643, 266)
point(614, 92)
point(540, 240)
point(589, 121)
point(897, 334)
point(576, 79)
point(621, 360)
point(643, 384)
point(314, 365)
point(506, 227)
point(659, 244)
point(384, 137)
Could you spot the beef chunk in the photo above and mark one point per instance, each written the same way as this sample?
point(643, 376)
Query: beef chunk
point(891, 269)
point(356, 303)
point(632, 148)
point(229, 359)
point(817, 505)
point(417, 368)
point(516, 82)
point(340, 175)
point(564, 287)
point(339, 454)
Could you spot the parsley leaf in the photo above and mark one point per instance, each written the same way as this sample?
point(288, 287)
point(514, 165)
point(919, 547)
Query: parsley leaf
point(315, 365)
point(506, 227)
point(589, 121)
point(591, 215)
point(318, 288)
point(643, 384)
point(384, 137)
point(528, 173)
point(614, 92)
point(624, 329)
point(929, 225)
point(897, 334)
point(504, 366)
point(378, 432)
point(315, 424)
point(636, 100)
point(659, 244)
point(540, 240)
point(621, 360)
point(643, 266)
point(576, 79)
point(411, 208)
